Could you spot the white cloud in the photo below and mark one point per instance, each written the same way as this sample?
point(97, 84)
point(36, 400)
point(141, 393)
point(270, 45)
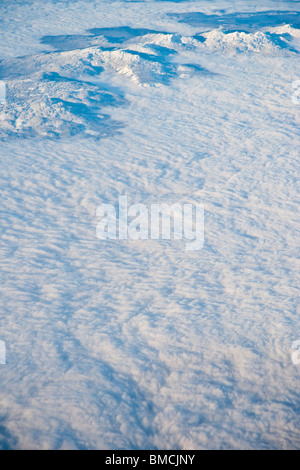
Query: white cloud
point(141, 344)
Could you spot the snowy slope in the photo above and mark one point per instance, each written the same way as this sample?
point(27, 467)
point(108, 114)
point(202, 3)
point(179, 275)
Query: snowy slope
point(142, 344)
